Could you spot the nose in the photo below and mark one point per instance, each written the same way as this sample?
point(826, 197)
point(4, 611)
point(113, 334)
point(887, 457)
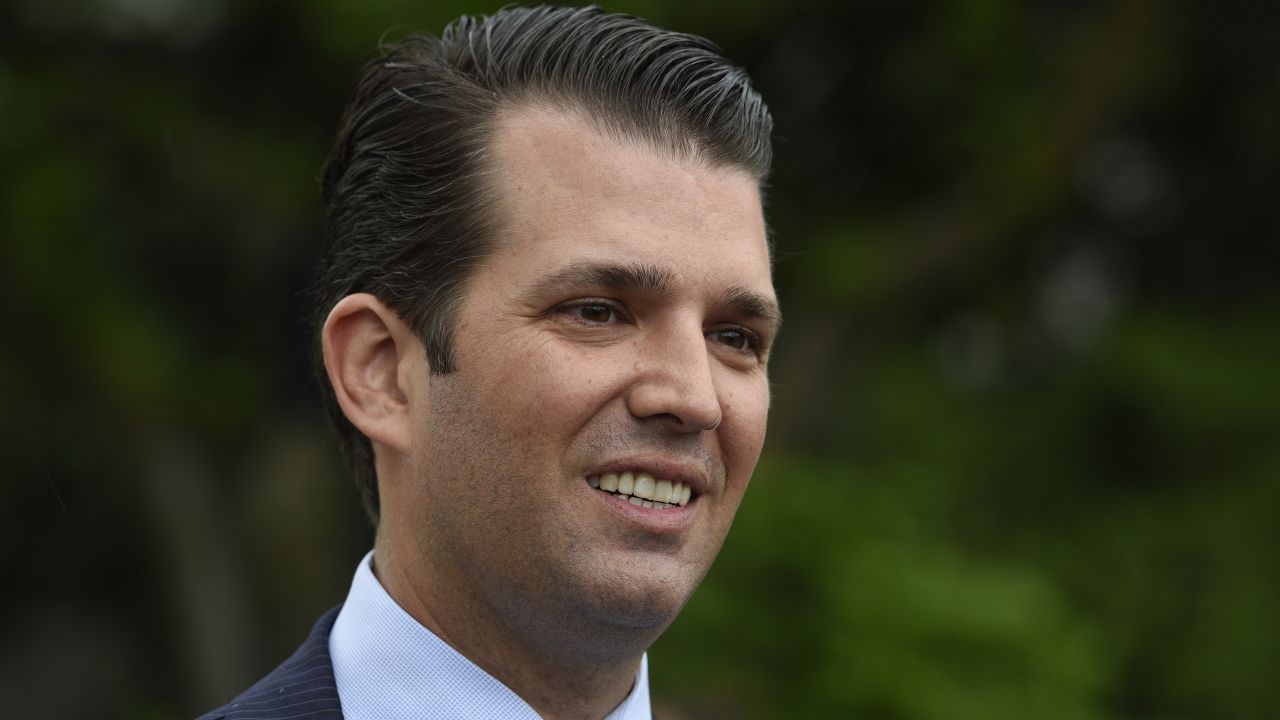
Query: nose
point(674, 382)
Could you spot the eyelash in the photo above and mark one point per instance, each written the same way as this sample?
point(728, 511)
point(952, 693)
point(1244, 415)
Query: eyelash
point(574, 308)
point(753, 346)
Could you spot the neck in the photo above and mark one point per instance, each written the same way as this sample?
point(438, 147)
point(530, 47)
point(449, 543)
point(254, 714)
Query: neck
point(560, 673)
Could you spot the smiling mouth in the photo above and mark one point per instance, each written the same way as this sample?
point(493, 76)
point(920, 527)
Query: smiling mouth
point(642, 489)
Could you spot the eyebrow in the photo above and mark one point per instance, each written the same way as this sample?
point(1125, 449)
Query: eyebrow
point(618, 276)
point(753, 305)
point(643, 277)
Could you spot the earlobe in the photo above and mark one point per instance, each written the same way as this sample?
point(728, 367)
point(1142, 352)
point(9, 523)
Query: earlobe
point(365, 346)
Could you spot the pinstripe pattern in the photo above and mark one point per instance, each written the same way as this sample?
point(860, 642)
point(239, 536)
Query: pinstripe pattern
point(302, 688)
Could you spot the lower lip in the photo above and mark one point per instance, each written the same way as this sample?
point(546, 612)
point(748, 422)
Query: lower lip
point(661, 520)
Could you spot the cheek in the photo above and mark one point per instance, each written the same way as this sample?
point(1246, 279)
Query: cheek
point(548, 390)
point(745, 403)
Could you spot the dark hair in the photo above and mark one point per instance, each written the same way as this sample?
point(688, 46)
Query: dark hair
point(407, 211)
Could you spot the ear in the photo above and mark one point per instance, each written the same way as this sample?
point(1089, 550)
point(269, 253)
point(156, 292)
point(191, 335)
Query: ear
point(370, 355)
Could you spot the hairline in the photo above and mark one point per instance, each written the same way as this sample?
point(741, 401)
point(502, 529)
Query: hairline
point(612, 130)
point(498, 220)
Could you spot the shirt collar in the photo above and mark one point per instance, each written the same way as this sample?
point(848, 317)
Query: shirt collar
point(388, 665)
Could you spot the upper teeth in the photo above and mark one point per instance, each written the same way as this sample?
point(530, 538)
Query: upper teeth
point(643, 486)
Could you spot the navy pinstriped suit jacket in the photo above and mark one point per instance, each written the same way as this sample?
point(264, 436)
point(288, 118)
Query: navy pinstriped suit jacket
point(302, 688)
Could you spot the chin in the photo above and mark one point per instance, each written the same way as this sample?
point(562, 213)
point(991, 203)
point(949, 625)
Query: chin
point(608, 609)
point(642, 596)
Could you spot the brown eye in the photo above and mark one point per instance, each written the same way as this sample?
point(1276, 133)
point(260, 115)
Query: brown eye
point(595, 313)
point(735, 339)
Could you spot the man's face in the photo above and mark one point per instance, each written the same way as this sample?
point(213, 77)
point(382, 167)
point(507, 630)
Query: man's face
point(620, 325)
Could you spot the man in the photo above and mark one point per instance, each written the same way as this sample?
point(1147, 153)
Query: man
point(544, 319)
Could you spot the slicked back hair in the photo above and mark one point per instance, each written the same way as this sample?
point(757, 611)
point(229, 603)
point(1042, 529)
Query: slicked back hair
point(408, 212)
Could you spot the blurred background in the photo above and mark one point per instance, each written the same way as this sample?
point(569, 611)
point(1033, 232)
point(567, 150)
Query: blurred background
point(1024, 460)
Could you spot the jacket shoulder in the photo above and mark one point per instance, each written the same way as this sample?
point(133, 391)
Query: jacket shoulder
point(301, 688)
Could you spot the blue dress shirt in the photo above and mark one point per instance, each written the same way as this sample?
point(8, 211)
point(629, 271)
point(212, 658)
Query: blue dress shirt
point(388, 665)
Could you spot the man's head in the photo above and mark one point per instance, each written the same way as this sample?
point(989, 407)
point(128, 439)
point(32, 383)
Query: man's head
point(546, 264)
point(409, 210)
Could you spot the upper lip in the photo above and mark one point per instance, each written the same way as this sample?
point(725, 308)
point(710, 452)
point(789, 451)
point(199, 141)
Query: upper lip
point(692, 474)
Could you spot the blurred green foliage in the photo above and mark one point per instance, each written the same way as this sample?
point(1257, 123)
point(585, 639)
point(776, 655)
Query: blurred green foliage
point(1024, 458)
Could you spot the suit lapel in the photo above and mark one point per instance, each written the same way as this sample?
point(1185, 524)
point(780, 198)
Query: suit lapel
point(302, 688)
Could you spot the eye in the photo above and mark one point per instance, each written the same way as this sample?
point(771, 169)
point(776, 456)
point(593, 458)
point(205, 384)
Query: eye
point(592, 313)
point(735, 338)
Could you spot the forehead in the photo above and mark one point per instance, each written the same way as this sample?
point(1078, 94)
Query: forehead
point(567, 191)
